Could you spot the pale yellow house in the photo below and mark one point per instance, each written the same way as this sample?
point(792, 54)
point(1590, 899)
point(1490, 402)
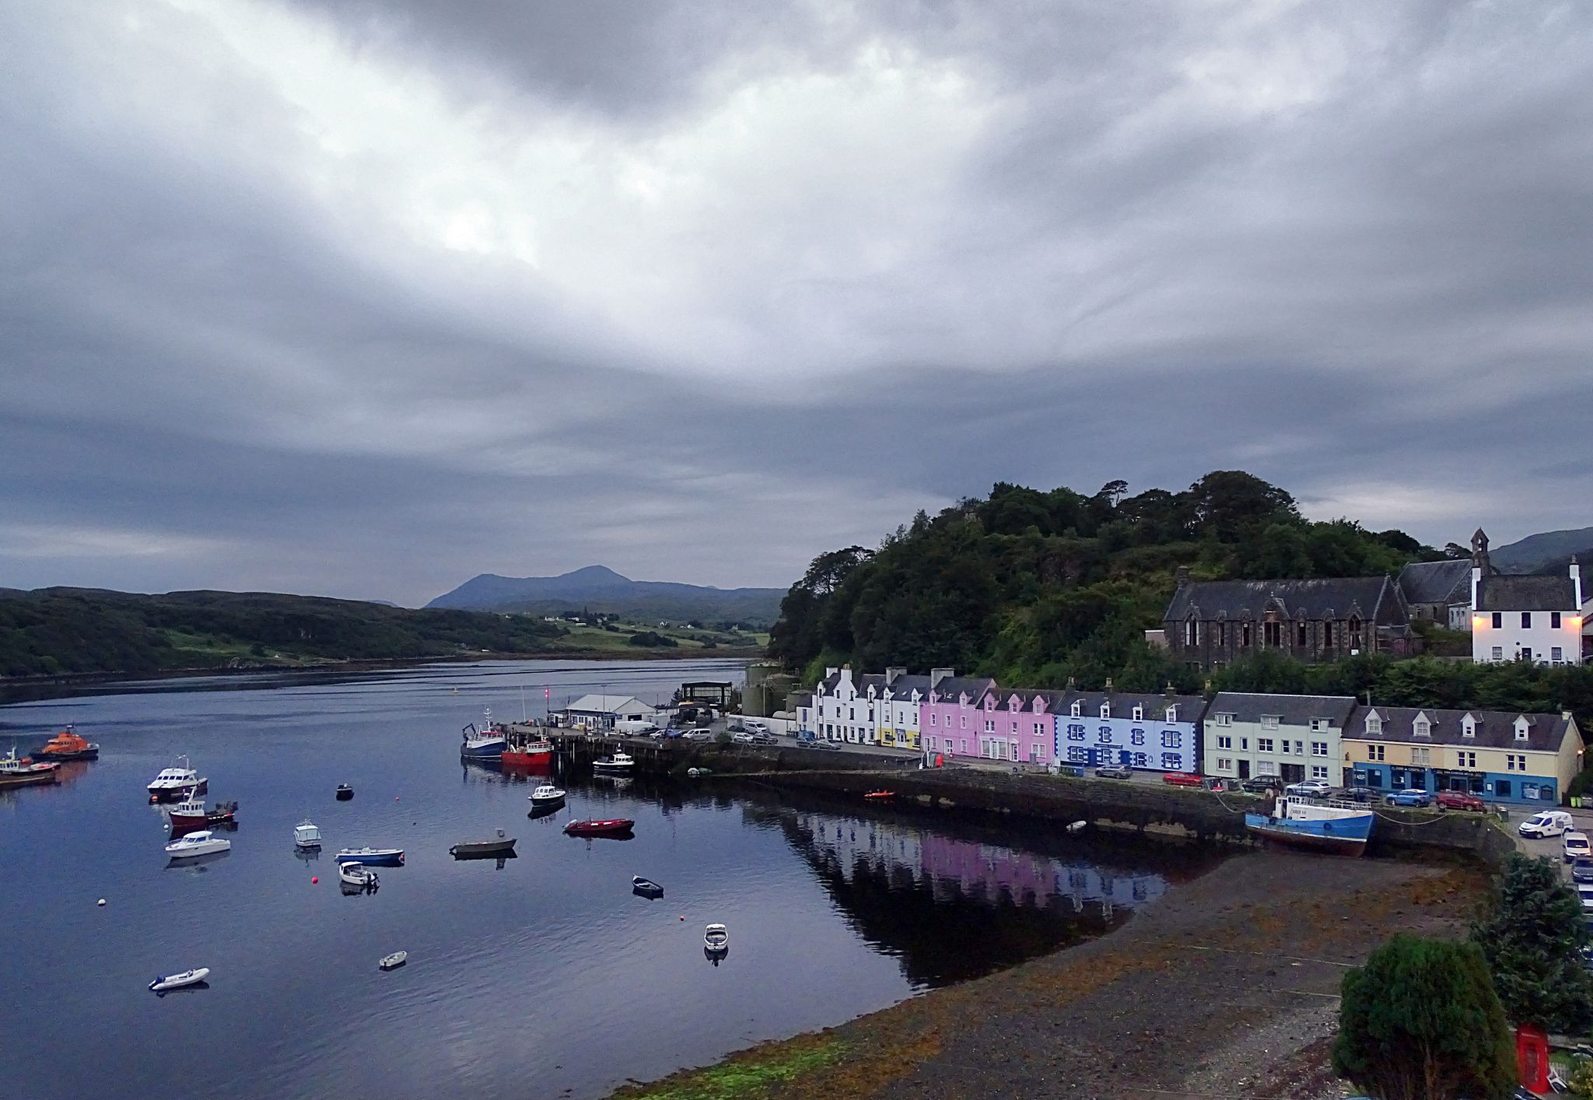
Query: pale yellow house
point(1497, 755)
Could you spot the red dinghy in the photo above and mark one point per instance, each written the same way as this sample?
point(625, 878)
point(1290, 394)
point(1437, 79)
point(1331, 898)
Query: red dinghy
point(880, 796)
point(614, 826)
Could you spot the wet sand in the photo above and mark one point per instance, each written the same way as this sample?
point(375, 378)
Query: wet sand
point(1227, 987)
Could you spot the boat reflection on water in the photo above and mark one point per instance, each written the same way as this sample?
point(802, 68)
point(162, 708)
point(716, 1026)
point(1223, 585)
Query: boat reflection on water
point(196, 864)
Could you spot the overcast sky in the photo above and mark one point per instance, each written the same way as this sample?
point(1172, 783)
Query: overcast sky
point(364, 298)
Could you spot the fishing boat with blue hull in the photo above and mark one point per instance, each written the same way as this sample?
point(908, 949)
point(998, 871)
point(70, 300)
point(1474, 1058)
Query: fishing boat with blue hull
point(484, 744)
point(1339, 827)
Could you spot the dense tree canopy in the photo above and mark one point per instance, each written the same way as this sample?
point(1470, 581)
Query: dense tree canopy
point(1034, 587)
point(1421, 1021)
point(1533, 938)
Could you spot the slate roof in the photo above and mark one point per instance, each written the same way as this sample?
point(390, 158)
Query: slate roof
point(1292, 710)
point(1190, 707)
point(1436, 582)
point(973, 686)
point(801, 699)
point(1315, 597)
point(605, 704)
point(1054, 700)
point(1495, 728)
point(903, 687)
point(1514, 593)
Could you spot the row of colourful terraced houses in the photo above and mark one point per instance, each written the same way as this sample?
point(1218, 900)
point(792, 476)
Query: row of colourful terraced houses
point(1500, 756)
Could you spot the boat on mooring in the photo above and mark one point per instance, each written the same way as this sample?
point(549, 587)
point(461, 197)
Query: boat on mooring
point(25, 772)
point(344, 792)
point(190, 814)
point(616, 763)
point(879, 796)
point(1326, 826)
point(68, 745)
point(484, 744)
point(716, 940)
point(646, 887)
point(187, 978)
point(393, 961)
point(611, 826)
point(502, 845)
point(356, 877)
point(381, 857)
point(202, 843)
point(306, 834)
point(177, 784)
point(547, 797)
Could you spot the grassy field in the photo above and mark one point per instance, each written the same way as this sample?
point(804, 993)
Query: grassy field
point(590, 638)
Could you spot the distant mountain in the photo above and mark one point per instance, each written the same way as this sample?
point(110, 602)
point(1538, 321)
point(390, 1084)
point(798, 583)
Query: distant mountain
point(599, 588)
point(1549, 549)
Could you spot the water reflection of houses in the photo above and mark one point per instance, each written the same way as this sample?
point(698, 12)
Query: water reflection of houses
point(954, 908)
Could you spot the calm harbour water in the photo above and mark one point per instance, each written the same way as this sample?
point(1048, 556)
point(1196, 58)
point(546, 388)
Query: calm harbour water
point(546, 977)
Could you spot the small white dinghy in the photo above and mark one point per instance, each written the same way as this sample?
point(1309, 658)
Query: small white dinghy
point(359, 876)
point(393, 961)
point(202, 843)
point(178, 981)
point(306, 834)
point(716, 939)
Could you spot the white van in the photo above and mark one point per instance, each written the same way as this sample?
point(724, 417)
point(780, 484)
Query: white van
point(757, 725)
point(703, 733)
point(1547, 823)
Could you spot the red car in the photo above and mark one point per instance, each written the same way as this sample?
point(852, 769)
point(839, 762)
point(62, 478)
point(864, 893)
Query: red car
point(1183, 779)
point(1460, 800)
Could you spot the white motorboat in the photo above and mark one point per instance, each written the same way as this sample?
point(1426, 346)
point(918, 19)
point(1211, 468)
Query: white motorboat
point(393, 961)
point(178, 981)
point(616, 763)
point(546, 795)
point(306, 834)
point(716, 939)
point(202, 843)
point(174, 784)
point(356, 874)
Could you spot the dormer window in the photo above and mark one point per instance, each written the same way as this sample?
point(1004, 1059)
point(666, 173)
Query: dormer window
point(1172, 713)
point(1074, 709)
point(1139, 714)
point(1422, 727)
point(1521, 729)
point(1374, 725)
point(1468, 726)
point(1106, 710)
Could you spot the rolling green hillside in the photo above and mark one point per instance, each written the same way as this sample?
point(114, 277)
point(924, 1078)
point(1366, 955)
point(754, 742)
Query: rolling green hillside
point(52, 631)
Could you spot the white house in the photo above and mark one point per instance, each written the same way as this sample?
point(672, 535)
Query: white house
point(1524, 618)
point(899, 708)
point(595, 712)
point(846, 709)
point(1290, 737)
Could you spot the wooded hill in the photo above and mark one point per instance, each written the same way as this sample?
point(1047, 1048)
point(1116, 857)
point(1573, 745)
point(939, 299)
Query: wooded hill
point(51, 631)
point(1035, 587)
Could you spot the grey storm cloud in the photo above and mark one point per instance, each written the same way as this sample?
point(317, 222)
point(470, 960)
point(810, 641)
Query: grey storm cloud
point(364, 298)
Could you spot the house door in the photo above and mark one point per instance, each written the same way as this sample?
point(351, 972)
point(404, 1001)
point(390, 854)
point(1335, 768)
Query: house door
point(1094, 756)
point(1244, 769)
point(1293, 773)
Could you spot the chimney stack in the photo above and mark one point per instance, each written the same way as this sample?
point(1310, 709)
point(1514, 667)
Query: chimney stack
point(892, 673)
point(936, 675)
point(1182, 574)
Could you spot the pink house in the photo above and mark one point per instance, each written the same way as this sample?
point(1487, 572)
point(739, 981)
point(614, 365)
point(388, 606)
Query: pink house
point(950, 718)
point(1018, 725)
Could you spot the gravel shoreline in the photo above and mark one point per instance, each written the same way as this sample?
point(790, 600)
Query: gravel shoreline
point(1227, 987)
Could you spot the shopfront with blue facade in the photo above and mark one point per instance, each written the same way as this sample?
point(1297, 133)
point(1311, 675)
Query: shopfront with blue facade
point(1492, 786)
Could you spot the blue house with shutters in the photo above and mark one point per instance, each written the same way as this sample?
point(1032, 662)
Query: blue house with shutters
point(1160, 733)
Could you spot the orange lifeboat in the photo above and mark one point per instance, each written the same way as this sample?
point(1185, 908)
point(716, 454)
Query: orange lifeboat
point(67, 745)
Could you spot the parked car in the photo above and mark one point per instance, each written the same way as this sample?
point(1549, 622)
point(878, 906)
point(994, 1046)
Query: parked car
point(1584, 893)
point(699, 733)
point(1410, 797)
point(1582, 871)
point(822, 744)
point(757, 725)
point(742, 737)
point(1575, 844)
point(1311, 788)
point(1547, 823)
point(1461, 800)
point(1259, 784)
point(1183, 779)
point(1112, 771)
point(762, 737)
point(674, 734)
point(1361, 794)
